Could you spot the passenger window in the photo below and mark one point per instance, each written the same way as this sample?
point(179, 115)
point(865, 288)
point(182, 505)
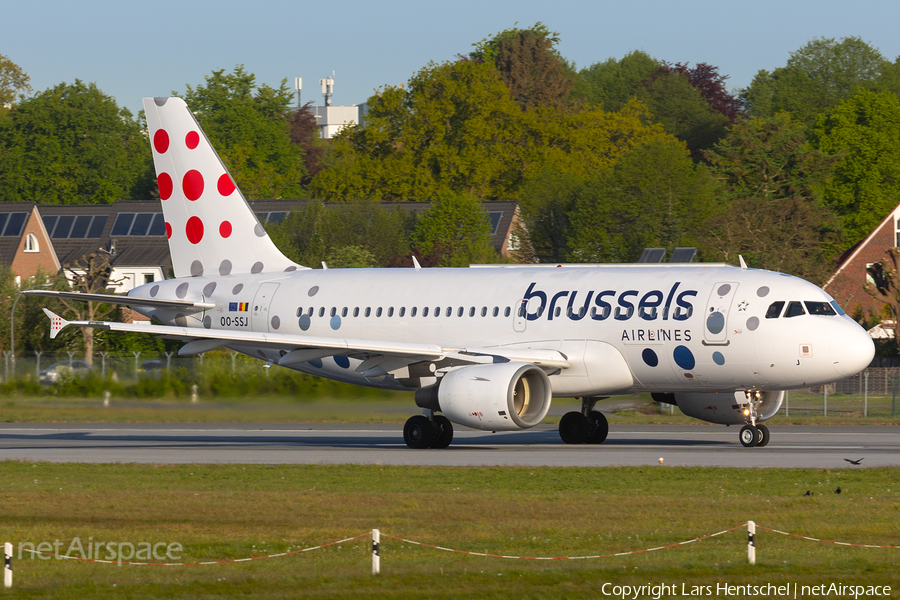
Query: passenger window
point(459, 313)
point(449, 311)
point(378, 312)
point(402, 310)
point(356, 312)
point(472, 311)
point(299, 311)
point(412, 311)
point(820, 308)
point(425, 312)
point(322, 312)
point(391, 311)
point(484, 311)
point(496, 311)
point(794, 309)
point(774, 310)
point(437, 311)
point(311, 311)
point(333, 311)
point(344, 312)
point(368, 311)
point(506, 312)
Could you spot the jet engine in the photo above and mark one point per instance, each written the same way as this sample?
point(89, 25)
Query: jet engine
point(493, 397)
point(725, 408)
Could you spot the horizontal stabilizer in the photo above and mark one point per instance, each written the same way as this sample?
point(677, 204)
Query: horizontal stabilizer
point(187, 306)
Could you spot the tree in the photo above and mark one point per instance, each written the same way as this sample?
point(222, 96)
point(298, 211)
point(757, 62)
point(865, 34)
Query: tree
point(653, 197)
point(816, 78)
point(454, 127)
point(529, 65)
point(457, 229)
point(612, 83)
point(90, 274)
point(865, 184)
point(772, 212)
point(885, 285)
point(683, 111)
point(250, 127)
point(72, 144)
point(705, 78)
point(13, 81)
point(305, 134)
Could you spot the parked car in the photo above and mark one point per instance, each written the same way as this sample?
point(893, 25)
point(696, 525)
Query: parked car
point(152, 368)
point(54, 372)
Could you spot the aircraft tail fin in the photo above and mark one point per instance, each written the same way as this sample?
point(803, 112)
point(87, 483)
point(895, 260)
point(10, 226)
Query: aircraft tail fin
point(56, 323)
point(211, 228)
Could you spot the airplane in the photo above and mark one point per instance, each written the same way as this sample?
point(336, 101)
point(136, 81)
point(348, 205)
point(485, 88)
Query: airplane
point(487, 348)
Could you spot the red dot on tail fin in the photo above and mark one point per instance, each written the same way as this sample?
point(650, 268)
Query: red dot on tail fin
point(165, 186)
point(192, 139)
point(225, 229)
point(168, 230)
point(161, 141)
point(194, 230)
point(225, 185)
point(192, 183)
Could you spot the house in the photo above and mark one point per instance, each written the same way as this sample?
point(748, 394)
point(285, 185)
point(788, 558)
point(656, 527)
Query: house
point(846, 285)
point(25, 245)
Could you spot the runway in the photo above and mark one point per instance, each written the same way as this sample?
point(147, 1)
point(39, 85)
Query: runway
point(299, 443)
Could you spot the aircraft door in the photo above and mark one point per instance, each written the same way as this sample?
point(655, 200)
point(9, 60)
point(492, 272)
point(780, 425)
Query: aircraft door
point(520, 315)
point(259, 320)
point(715, 326)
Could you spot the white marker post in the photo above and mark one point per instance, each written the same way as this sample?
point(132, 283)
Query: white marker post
point(376, 552)
point(7, 565)
point(751, 542)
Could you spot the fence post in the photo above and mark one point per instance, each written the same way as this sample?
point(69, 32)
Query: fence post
point(233, 356)
point(194, 394)
point(6, 354)
point(376, 552)
point(168, 362)
point(37, 364)
point(751, 542)
point(137, 357)
point(825, 397)
point(7, 565)
point(866, 393)
point(787, 403)
point(103, 356)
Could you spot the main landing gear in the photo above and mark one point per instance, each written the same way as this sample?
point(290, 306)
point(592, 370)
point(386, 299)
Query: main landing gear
point(433, 431)
point(586, 427)
point(753, 434)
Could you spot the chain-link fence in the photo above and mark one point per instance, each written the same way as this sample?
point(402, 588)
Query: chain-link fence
point(872, 392)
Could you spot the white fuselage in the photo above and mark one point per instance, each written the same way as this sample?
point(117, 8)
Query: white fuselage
point(678, 328)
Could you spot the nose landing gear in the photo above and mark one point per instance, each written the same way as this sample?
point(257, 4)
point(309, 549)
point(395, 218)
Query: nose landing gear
point(753, 434)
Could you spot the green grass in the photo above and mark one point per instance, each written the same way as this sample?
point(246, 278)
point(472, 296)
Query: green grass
point(235, 511)
point(386, 407)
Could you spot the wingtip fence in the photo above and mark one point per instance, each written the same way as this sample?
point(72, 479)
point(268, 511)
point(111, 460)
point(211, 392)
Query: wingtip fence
point(376, 535)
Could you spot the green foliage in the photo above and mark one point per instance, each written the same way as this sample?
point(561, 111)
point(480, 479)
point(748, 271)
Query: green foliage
point(72, 144)
point(612, 83)
point(327, 232)
point(865, 182)
point(13, 81)
point(250, 127)
point(652, 197)
point(771, 211)
point(529, 65)
point(815, 79)
point(683, 111)
point(456, 229)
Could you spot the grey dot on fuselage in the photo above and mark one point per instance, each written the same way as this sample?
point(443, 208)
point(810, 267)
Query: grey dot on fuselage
point(209, 289)
point(225, 267)
point(237, 289)
point(196, 268)
point(181, 290)
point(257, 267)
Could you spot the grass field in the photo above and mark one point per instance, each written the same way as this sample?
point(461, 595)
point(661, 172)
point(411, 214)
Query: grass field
point(233, 511)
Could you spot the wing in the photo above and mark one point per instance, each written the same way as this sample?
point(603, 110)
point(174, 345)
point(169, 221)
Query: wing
point(379, 357)
point(187, 306)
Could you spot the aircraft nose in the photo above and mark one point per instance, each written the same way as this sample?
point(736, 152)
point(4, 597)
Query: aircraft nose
point(855, 349)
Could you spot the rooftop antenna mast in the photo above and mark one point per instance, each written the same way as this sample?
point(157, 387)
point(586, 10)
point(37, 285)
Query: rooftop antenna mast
point(327, 88)
point(298, 85)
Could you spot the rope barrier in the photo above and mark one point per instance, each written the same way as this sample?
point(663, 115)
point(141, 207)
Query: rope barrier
point(192, 564)
point(803, 537)
point(697, 539)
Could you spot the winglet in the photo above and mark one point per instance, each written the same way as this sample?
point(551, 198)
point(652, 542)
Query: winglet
point(56, 323)
point(743, 264)
point(416, 264)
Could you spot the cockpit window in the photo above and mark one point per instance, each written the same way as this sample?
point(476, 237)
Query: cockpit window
point(837, 308)
point(774, 310)
point(794, 309)
point(820, 308)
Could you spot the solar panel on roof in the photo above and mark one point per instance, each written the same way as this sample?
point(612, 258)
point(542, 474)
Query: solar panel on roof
point(49, 223)
point(158, 226)
point(141, 224)
point(97, 226)
point(3, 218)
point(80, 228)
point(63, 226)
point(652, 255)
point(495, 217)
point(123, 224)
point(683, 255)
point(15, 223)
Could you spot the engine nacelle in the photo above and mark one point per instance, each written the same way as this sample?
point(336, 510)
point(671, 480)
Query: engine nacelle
point(726, 408)
point(494, 397)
